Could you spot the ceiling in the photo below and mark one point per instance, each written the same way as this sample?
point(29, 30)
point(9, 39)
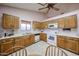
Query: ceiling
point(64, 7)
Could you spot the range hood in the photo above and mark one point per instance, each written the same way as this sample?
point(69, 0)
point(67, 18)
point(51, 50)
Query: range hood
point(69, 29)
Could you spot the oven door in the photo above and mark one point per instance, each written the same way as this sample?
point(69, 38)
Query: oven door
point(52, 39)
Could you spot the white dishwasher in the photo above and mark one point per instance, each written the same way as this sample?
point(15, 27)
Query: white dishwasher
point(37, 37)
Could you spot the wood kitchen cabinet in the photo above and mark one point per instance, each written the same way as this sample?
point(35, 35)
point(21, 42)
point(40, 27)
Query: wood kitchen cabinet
point(61, 23)
point(43, 36)
point(40, 25)
point(19, 41)
point(32, 39)
point(60, 41)
point(7, 22)
point(24, 41)
point(10, 21)
point(7, 44)
point(69, 43)
point(68, 22)
point(72, 44)
point(44, 25)
point(72, 21)
point(36, 25)
point(16, 22)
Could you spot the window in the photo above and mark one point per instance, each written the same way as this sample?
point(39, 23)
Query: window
point(25, 25)
point(28, 26)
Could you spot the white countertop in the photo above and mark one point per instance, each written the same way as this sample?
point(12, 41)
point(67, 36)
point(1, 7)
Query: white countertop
point(17, 35)
point(70, 35)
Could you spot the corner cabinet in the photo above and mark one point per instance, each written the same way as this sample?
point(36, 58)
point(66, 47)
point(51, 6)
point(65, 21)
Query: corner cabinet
point(10, 21)
point(68, 43)
point(40, 25)
point(43, 37)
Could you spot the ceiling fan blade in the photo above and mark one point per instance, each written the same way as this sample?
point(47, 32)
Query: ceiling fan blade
point(42, 4)
point(48, 10)
point(55, 8)
point(42, 8)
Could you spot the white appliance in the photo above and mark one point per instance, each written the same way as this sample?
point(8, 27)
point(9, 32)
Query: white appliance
point(37, 37)
point(53, 25)
point(51, 37)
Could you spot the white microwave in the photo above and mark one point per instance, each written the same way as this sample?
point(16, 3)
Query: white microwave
point(53, 25)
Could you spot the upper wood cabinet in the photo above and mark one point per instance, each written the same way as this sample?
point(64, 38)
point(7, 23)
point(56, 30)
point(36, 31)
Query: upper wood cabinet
point(72, 21)
point(10, 21)
point(61, 23)
point(44, 25)
point(35, 25)
point(16, 22)
point(68, 22)
point(40, 25)
point(43, 37)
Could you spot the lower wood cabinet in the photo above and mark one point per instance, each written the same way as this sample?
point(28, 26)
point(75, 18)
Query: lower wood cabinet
point(24, 41)
point(60, 41)
point(43, 37)
point(6, 46)
point(32, 39)
point(19, 41)
point(69, 43)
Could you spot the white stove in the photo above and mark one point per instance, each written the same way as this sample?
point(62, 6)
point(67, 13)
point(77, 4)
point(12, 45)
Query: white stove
point(51, 37)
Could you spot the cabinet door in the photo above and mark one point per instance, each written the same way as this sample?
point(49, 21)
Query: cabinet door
point(6, 45)
point(43, 37)
point(35, 25)
point(32, 39)
point(26, 40)
point(61, 23)
point(77, 46)
point(19, 42)
point(16, 22)
point(44, 25)
point(7, 21)
point(72, 21)
point(72, 44)
point(66, 23)
point(60, 41)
